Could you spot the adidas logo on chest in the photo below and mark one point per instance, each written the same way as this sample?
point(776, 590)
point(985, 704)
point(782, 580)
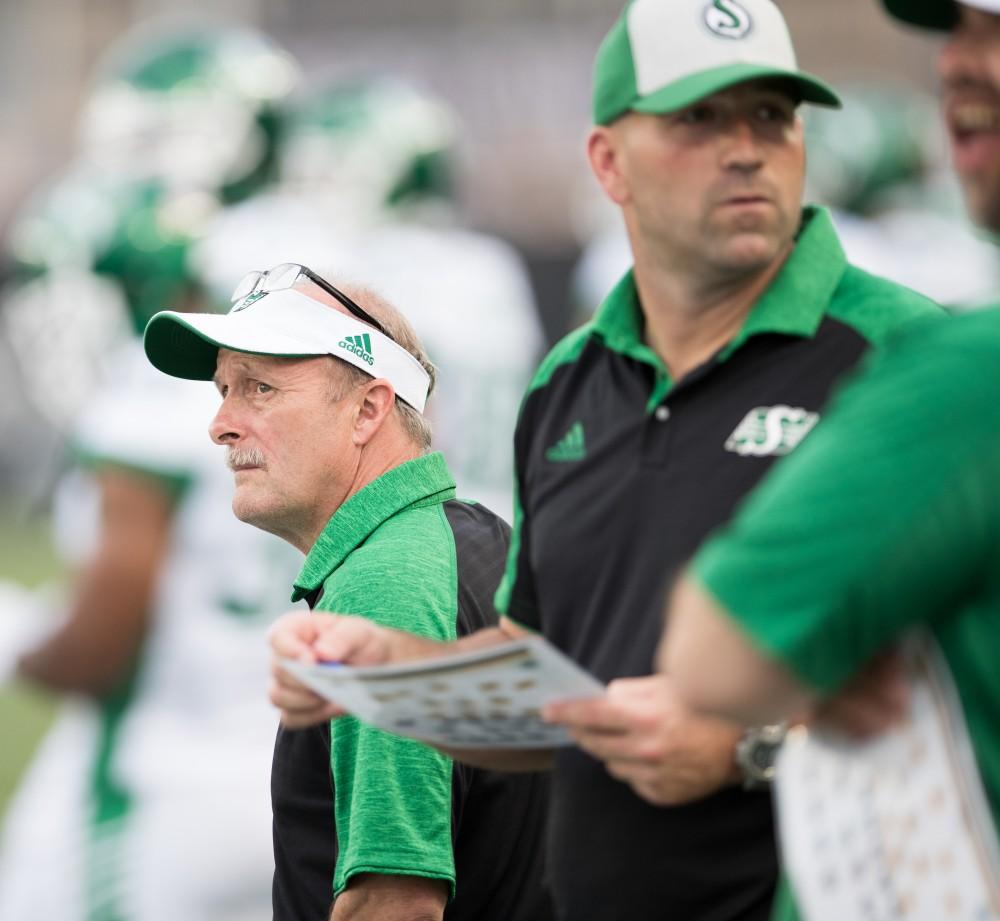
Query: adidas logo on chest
point(571, 447)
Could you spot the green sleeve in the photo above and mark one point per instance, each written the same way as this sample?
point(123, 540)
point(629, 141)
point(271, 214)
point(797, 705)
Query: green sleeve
point(884, 518)
point(393, 796)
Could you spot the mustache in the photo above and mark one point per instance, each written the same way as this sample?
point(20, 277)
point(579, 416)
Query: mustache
point(237, 457)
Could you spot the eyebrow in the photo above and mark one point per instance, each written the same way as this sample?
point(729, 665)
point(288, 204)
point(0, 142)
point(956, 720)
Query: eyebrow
point(241, 364)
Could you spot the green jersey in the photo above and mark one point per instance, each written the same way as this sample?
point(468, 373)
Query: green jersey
point(885, 519)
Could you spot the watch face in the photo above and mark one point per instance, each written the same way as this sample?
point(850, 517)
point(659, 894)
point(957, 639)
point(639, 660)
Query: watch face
point(758, 752)
point(763, 756)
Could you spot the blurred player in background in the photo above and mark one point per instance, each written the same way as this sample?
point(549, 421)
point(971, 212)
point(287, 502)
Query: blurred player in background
point(152, 801)
point(367, 185)
point(896, 206)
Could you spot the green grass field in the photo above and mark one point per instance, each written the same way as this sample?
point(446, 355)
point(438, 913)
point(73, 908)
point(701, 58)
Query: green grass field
point(26, 556)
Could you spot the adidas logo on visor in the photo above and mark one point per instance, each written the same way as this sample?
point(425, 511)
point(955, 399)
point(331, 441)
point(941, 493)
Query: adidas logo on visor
point(358, 345)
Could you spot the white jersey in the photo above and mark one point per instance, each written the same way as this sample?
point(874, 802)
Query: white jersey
point(189, 756)
point(938, 255)
point(467, 295)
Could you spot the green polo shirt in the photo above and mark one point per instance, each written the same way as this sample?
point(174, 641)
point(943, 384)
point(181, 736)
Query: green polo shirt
point(388, 554)
point(887, 518)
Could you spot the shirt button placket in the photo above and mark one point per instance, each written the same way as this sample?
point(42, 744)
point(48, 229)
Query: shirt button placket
point(656, 438)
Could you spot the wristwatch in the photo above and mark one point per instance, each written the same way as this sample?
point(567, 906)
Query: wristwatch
point(756, 752)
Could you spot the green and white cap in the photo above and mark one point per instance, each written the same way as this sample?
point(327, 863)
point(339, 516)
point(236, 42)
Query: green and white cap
point(663, 55)
point(282, 323)
point(935, 14)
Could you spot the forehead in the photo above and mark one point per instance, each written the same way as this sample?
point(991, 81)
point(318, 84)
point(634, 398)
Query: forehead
point(229, 364)
point(752, 90)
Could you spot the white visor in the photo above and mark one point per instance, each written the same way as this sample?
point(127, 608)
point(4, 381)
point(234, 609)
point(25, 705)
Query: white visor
point(283, 323)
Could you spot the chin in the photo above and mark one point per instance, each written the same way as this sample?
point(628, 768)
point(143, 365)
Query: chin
point(249, 511)
point(752, 256)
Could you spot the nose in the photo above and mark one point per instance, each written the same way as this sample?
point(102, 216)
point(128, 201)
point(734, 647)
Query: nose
point(958, 60)
point(742, 150)
point(223, 429)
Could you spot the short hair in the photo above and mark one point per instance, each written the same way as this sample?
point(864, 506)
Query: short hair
point(414, 424)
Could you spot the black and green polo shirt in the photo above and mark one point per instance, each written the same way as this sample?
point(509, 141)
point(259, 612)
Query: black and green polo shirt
point(352, 799)
point(886, 520)
point(621, 474)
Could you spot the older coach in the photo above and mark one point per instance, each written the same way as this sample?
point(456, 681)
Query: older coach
point(322, 418)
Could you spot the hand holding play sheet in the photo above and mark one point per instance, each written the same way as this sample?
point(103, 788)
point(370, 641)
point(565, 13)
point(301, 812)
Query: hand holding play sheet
point(490, 698)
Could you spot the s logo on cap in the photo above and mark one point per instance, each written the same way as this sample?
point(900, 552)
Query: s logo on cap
point(247, 301)
point(728, 19)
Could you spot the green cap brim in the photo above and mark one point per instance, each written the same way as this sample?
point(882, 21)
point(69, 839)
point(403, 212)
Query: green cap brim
point(688, 90)
point(177, 349)
point(929, 14)
point(176, 346)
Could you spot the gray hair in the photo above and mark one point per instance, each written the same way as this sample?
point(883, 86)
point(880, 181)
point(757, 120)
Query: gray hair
point(348, 376)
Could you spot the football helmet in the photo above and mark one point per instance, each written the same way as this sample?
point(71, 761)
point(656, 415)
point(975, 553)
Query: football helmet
point(368, 147)
point(193, 108)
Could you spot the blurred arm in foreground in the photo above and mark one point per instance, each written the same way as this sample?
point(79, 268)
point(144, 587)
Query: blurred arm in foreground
point(883, 521)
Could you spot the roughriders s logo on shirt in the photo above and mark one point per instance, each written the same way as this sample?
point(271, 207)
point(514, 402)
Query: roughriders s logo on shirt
point(771, 430)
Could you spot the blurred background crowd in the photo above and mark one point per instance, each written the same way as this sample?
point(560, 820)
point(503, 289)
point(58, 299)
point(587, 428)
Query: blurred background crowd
point(433, 149)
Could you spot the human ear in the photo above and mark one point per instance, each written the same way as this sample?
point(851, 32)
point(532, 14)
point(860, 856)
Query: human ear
point(376, 402)
point(604, 154)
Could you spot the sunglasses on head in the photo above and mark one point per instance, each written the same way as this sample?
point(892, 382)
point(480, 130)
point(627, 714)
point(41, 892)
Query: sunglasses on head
point(285, 276)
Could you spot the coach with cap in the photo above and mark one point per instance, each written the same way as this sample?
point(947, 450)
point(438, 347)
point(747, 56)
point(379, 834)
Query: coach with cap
point(322, 419)
point(710, 360)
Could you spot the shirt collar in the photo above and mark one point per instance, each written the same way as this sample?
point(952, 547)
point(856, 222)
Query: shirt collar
point(794, 303)
point(419, 482)
point(799, 297)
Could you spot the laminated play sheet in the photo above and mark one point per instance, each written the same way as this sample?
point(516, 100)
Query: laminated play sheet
point(893, 828)
point(490, 698)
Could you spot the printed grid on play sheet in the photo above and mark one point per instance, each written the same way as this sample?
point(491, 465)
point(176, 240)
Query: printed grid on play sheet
point(490, 698)
point(895, 829)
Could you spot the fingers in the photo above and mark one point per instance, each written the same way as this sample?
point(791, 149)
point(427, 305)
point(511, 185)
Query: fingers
point(629, 703)
point(606, 747)
point(650, 782)
point(595, 715)
point(648, 687)
point(858, 714)
point(875, 700)
point(352, 641)
point(292, 635)
point(317, 636)
point(612, 734)
point(299, 706)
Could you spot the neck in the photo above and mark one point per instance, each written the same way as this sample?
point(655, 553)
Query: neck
point(688, 318)
point(373, 460)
